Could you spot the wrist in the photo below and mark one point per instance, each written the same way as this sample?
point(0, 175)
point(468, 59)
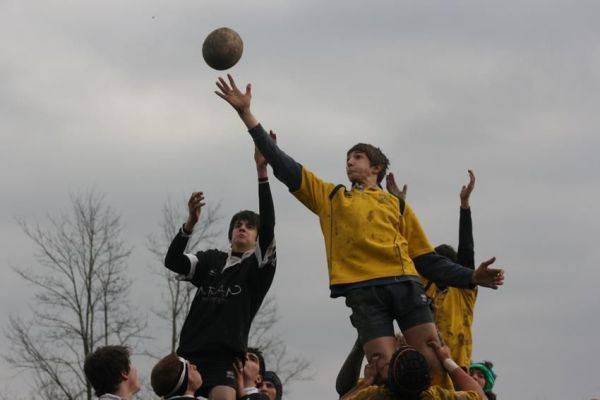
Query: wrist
point(450, 365)
point(261, 172)
point(188, 227)
point(248, 118)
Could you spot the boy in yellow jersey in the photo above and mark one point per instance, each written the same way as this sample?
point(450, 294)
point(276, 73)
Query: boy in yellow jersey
point(370, 240)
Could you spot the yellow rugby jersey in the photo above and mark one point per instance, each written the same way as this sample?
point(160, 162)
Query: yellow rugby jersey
point(454, 318)
point(365, 235)
point(381, 392)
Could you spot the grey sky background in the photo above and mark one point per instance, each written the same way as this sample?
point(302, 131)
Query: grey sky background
point(115, 96)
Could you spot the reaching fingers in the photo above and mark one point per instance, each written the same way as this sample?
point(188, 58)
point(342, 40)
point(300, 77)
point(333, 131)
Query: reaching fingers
point(232, 82)
point(471, 177)
point(404, 190)
point(390, 181)
point(221, 84)
point(196, 200)
point(489, 262)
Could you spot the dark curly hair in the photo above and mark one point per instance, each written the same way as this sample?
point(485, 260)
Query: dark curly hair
point(104, 368)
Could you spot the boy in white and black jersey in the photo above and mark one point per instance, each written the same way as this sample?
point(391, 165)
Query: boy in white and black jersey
point(231, 287)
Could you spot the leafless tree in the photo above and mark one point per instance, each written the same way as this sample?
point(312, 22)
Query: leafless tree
point(81, 300)
point(178, 294)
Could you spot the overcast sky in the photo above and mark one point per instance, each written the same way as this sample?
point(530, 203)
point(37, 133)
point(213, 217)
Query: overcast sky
point(114, 95)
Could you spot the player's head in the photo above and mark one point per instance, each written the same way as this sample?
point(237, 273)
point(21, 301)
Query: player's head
point(243, 230)
point(108, 368)
point(484, 375)
point(174, 376)
point(364, 160)
point(254, 367)
point(447, 251)
point(272, 386)
point(408, 373)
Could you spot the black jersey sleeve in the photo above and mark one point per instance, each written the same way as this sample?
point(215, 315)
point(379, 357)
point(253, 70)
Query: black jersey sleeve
point(443, 272)
point(466, 249)
point(266, 234)
point(176, 260)
point(189, 267)
point(285, 168)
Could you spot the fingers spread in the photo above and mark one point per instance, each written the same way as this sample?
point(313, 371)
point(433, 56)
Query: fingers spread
point(232, 82)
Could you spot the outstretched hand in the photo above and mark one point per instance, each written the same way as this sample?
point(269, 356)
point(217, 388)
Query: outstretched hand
point(195, 204)
point(392, 187)
point(234, 96)
point(466, 190)
point(488, 277)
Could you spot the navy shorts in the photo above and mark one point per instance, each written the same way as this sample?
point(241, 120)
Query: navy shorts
point(374, 308)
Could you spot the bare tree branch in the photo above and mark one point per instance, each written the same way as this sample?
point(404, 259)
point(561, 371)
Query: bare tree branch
point(81, 300)
point(289, 368)
point(177, 293)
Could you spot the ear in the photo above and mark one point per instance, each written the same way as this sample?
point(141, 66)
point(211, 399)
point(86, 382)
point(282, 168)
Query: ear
point(376, 169)
point(124, 376)
point(259, 379)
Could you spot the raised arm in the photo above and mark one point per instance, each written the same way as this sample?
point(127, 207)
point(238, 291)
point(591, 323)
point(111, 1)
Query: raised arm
point(350, 372)
point(176, 260)
point(285, 168)
point(466, 252)
point(265, 201)
point(444, 272)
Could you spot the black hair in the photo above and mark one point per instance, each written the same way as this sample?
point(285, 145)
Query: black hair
point(104, 368)
point(272, 377)
point(408, 374)
point(246, 215)
point(261, 359)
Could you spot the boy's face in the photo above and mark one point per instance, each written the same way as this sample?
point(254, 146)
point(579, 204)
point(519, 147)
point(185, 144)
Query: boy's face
point(359, 169)
point(194, 377)
point(252, 368)
point(243, 236)
point(478, 376)
point(132, 379)
point(269, 389)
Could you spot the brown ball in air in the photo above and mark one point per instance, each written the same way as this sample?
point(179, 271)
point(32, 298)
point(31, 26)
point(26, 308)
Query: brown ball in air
point(222, 48)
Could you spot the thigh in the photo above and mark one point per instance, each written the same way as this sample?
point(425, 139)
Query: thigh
point(418, 337)
point(370, 313)
point(222, 393)
point(410, 304)
point(215, 372)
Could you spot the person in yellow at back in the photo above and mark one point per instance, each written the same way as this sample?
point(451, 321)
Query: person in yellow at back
point(454, 307)
point(409, 378)
point(374, 242)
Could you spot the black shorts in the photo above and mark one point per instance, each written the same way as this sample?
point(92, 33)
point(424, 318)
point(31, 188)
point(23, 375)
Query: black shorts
point(374, 308)
point(215, 371)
